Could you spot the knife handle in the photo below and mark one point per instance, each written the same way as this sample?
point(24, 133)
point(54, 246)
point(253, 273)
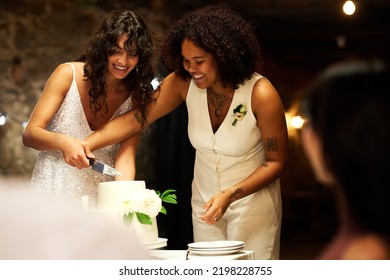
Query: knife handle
point(91, 161)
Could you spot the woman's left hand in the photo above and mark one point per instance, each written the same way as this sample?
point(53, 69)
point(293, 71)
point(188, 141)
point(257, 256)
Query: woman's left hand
point(215, 208)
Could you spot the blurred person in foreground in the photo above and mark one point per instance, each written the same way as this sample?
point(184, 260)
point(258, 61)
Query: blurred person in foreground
point(34, 226)
point(346, 138)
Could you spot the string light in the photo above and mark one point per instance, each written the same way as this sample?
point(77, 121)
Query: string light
point(3, 118)
point(297, 122)
point(294, 122)
point(349, 8)
point(6, 116)
point(155, 83)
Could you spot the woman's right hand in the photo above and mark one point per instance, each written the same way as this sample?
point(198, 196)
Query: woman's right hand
point(75, 152)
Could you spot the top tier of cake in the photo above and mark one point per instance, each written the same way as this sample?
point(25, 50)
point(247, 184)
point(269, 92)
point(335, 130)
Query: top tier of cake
point(111, 194)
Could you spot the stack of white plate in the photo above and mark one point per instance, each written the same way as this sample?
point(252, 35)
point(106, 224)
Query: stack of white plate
point(223, 247)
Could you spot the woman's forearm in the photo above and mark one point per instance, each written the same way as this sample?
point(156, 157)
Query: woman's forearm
point(115, 131)
point(171, 93)
point(41, 139)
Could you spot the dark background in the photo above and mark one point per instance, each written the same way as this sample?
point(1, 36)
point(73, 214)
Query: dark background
point(298, 39)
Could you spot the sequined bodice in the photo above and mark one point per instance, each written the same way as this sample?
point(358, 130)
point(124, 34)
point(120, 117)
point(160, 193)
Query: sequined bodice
point(51, 174)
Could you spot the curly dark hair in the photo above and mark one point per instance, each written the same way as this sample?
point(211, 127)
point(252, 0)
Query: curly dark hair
point(224, 34)
point(104, 43)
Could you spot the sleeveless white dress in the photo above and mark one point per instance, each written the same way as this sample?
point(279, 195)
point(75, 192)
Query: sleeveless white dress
point(51, 174)
point(224, 158)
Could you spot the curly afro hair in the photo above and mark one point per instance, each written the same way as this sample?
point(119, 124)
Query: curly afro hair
point(224, 34)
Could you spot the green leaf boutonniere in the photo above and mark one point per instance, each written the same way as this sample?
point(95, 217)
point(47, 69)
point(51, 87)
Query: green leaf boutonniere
point(239, 113)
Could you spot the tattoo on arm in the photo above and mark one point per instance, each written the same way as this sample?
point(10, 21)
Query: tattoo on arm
point(236, 193)
point(271, 144)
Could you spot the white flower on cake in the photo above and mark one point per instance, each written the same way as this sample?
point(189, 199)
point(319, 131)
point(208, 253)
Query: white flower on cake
point(145, 204)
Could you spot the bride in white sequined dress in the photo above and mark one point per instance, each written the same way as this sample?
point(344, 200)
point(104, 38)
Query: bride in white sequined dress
point(113, 76)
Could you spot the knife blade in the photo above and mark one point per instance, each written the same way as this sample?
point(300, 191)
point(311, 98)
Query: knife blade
point(103, 168)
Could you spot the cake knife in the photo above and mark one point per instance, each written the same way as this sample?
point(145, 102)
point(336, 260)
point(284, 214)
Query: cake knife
point(103, 168)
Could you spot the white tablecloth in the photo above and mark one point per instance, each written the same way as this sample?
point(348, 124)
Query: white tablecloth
point(181, 255)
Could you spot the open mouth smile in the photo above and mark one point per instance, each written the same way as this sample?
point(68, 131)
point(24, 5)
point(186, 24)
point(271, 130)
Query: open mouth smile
point(121, 68)
point(198, 77)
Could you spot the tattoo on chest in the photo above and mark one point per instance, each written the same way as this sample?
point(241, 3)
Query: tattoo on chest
point(138, 118)
point(271, 144)
point(217, 101)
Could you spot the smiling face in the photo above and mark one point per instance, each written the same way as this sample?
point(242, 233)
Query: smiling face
point(200, 64)
point(122, 62)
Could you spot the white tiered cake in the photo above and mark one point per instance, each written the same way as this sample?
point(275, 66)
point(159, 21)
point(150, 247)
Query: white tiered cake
point(111, 196)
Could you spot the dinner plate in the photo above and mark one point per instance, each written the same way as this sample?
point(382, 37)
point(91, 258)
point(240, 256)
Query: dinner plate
point(216, 249)
point(160, 243)
point(215, 252)
point(217, 245)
